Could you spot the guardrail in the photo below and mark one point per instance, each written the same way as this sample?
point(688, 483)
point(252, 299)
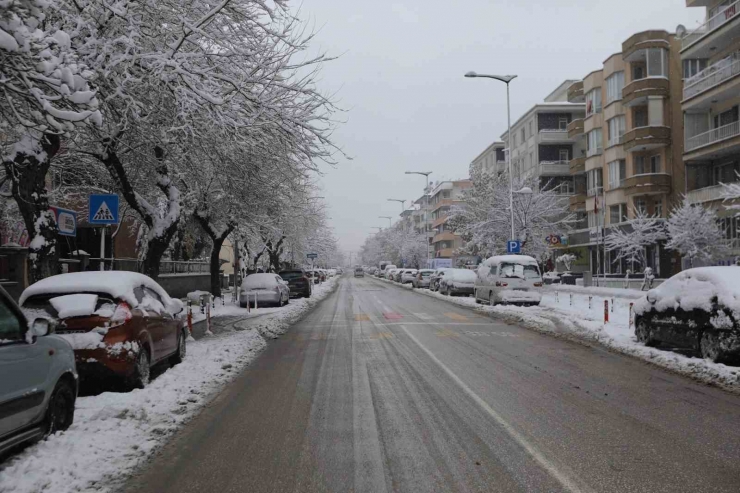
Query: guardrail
point(165, 266)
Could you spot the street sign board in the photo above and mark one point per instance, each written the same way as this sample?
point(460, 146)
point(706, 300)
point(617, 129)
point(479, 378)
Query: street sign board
point(103, 209)
point(514, 246)
point(312, 255)
point(66, 221)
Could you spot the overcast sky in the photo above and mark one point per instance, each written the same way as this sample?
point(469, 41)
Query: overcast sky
point(400, 77)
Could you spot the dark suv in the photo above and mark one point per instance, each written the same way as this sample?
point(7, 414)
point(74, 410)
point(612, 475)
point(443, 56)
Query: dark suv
point(298, 282)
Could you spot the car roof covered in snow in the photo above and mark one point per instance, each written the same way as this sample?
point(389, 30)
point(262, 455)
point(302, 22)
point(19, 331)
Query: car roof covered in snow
point(513, 259)
point(118, 284)
point(461, 275)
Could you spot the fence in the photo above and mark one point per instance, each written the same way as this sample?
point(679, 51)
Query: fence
point(165, 266)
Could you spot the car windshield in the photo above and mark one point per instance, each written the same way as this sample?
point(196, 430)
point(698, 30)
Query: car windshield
point(512, 270)
point(291, 275)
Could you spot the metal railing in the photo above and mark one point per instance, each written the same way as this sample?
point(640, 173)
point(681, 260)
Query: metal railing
point(712, 136)
point(592, 192)
point(165, 266)
point(719, 19)
point(705, 194)
point(712, 76)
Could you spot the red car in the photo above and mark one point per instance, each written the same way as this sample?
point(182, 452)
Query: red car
point(119, 323)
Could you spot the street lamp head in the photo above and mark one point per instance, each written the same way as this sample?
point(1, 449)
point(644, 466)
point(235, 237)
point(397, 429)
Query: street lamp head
point(525, 191)
point(471, 74)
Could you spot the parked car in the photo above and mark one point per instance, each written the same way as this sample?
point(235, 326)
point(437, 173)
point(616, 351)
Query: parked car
point(331, 272)
point(359, 272)
point(396, 275)
point(457, 282)
point(38, 387)
point(388, 270)
point(119, 324)
point(422, 279)
point(697, 309)
point(436, 277)
point(513, 279)
point(298, 282)
point(407, 276)
point(322, 275)
point(265, 289)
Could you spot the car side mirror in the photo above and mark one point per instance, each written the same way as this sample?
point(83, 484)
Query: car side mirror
point(40, 327)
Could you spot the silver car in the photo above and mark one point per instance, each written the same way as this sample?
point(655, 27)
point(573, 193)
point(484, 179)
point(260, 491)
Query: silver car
point(264, 290)
point(38, 387)
point(423, 278)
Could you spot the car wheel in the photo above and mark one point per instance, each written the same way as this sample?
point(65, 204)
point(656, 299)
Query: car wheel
point(644, 334)
point(710, 347)
point(61, 410)
point(142, 370)
point(182, 349)
point(287, 300)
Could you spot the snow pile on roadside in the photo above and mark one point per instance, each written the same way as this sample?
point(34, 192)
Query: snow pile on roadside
point(557, 316)
point(114, 433)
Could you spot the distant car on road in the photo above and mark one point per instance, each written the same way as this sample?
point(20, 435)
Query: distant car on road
point(422, 279)
point(359, 272)
point(38, 378)
point(265, 289)
point(408, 275)
point(697, 309)
point(511, 279)
point(457, 282)
point(298, 282)
point(120, 324)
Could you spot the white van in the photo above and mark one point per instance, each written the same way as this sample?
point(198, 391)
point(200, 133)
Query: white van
point(514, 279)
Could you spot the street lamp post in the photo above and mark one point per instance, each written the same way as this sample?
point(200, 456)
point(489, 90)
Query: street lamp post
point(506, 79)
point(390, 219)
point(403, 203)
point(378, 228)
point(426, 209)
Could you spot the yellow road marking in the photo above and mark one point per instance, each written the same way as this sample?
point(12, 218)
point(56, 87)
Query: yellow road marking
point(381, 335)
point(446, 333)
point(361, 317)
point(456, 316)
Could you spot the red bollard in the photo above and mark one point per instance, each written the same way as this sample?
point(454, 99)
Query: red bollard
point(589, 302)
point(190, 319)
point(606, 311)
point(631, 321)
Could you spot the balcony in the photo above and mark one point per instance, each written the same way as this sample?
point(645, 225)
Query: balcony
point(444, 236)
point(643, 40)
point(554, 168)
point(714, 136)
point(594, 191)
point(577, 202)
point(637, 92)
point(718, 32)
point(648, 184)
point(575, 128)
point(615, 141)
point(439, 222)
point(645, 138)
point(715, 83)
point(440, 204)
point(577, 165)
point(707, 194)
point(575, 92)
point(554, 135)
point(596, 151)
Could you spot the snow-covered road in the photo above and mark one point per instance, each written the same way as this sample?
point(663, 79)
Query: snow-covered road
point(113, 433)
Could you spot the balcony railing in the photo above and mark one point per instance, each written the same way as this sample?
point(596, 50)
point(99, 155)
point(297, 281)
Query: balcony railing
point(616, 141)
point(594, 191)
point(713, 23)
point(714, 135)
point(706, 194)
point(712, 76)
point(596, 151)
point(553, 134)
point(613, 184)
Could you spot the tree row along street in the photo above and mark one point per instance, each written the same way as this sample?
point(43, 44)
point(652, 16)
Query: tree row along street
point(382, 389)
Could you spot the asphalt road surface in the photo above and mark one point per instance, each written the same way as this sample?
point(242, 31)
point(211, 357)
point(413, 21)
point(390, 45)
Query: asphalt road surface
point(382, 389)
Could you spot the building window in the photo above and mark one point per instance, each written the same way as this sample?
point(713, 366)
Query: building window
point(640, 117)
point(657, 62)
point(564, 155)
point(594, 182)
point(593, 101)
point(617, 126)
point(638, 72)
point(617, 173)
point(595, 142)
point(693, 67)
point(646, 165)
point(617, 213)
point(595, 219)
point(658, 207)
point(726, 117)
point(614, 86)
point(531, 128)
point(725, 173)
point(563, 123)
point(640, 205)
point(524, 134)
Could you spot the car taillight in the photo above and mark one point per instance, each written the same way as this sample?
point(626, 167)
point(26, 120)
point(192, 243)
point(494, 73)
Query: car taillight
point(538, 284)
point(500, 284)
point(121, 314)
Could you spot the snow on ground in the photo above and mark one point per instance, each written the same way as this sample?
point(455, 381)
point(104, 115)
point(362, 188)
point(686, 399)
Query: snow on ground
point(556, 315)
point(114, 433)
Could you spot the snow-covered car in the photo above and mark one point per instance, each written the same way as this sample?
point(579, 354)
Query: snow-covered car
point(436, 277)
point(407, 276)
point(388, 270)
point(38, 387)
point(697, 309)
point(512, 279)
point(119, 324)
point(265, 289)
point(331, 272)
point(422, 279)
point(457, 282)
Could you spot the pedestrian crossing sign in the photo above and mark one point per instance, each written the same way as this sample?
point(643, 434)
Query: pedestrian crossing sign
point(103, 209)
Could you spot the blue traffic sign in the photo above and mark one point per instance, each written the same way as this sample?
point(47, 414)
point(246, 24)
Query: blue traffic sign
point(514, 246)
point(103, 209)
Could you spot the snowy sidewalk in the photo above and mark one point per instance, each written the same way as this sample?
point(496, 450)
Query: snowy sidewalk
point(557, 316)
point(114, 433)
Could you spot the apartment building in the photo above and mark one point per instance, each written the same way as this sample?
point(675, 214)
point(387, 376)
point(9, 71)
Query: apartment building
point(632, 134)
point(492, 160)
point(711, 95)
point(445, 242)
point(541, 144)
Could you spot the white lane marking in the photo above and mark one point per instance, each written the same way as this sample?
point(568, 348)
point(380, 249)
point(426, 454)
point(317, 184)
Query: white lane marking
point(568, 483)
point(425, 316)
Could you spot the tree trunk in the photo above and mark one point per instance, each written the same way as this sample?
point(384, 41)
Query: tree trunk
point(216, 266)
point(28, 179)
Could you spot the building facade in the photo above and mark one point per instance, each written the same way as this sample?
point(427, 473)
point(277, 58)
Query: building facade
point(445, 242)
point(492, 160)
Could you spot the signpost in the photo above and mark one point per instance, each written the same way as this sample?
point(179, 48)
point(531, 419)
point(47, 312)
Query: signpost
point(66, 221)
point(513, 246)
point(312, 256)
point(103, 210)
